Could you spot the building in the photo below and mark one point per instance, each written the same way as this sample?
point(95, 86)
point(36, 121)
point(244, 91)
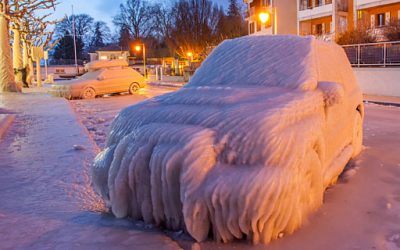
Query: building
point(110, 52)
point(325, 19)
point(280, 16)
point(376, 14)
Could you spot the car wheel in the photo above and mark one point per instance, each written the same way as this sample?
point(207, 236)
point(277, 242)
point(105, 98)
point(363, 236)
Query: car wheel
point(134, 88)
point(357, 134)
point(88, 93)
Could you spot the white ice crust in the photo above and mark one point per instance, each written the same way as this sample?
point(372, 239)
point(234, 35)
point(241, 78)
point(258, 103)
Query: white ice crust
point(245, 150)
point(7, 82)
point(99, 64)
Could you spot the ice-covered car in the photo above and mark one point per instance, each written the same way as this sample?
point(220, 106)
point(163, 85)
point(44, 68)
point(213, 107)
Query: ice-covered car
point(245, 150)
point(103, 77)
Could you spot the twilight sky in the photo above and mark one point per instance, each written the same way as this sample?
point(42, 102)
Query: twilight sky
point(102, 10)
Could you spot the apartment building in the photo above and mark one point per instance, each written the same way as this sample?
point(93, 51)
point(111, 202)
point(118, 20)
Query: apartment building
point(325, 19)
point(377, 13)
point(280, 16)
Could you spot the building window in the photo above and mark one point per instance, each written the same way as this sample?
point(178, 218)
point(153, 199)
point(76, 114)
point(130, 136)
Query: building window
point(319, 29)
point(380, 19)
point(265, 2)
point(252, 28)
point(359, 14)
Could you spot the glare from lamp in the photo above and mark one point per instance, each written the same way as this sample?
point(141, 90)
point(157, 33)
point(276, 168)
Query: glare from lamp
point(138, 47)
point(264, 17)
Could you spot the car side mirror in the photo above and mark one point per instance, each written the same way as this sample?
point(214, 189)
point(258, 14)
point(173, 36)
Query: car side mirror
point(333, 93)
point(100, 78)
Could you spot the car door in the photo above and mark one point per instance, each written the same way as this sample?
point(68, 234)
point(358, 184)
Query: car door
point(111, 80)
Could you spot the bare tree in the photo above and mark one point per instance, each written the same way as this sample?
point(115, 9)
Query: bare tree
point(360, 34)
point(84, 25)
point(392, 31)
point(7, 82)
point(138, 17)
point(15, 11)
point(34, 33)
point(195, 26)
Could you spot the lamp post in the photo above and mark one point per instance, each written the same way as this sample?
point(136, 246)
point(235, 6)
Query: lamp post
point(190, 57)
point(138, 48)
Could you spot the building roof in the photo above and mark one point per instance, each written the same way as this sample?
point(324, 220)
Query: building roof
point(112, 48)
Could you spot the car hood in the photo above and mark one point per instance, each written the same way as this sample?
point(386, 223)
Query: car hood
point(235, 114)
point(72, 83)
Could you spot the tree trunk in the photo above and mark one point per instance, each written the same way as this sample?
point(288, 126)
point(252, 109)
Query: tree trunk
point(7, 82)
point(25, 57)
point(17, 56)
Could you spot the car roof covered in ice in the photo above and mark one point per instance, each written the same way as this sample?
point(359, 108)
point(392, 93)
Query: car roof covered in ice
point(99, 64)
point(280, 61)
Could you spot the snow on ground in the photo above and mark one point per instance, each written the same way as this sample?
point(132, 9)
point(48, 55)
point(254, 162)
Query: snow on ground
point(97, 114)
point(361, 212)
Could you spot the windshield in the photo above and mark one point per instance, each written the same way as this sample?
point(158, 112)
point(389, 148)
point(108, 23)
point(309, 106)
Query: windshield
point(90, 75)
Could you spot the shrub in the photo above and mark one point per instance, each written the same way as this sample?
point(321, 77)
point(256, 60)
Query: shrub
point(356, 36)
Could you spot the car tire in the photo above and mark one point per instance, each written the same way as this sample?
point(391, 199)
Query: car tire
point(89, 93)
point(134, 88)
point(357, 134)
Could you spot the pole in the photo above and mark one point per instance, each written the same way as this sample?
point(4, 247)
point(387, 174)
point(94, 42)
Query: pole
point(46, 69)
point(74, 35)
point(275, 21)
point(38, 73)
point(144, 61)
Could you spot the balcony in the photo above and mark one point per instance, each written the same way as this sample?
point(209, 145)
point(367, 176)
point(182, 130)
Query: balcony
point(310, 12)
point(365, 4)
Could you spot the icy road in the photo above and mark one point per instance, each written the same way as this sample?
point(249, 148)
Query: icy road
point(46, 201)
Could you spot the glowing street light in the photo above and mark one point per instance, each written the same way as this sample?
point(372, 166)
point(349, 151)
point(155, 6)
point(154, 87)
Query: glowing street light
point(190, 57)
point(264, 17)
point(139, 48)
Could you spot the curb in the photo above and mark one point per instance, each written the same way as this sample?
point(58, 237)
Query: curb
point(383, 103)
point(5, 122)
point(167, 84)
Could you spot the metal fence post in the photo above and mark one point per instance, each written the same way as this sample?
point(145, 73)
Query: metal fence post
point(358, 55)
point(384, 54)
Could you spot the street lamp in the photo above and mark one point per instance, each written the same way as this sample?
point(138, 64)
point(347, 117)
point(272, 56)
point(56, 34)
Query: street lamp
point(138, 48)
point(267, 16)
point(264, 17)
point(190, 57)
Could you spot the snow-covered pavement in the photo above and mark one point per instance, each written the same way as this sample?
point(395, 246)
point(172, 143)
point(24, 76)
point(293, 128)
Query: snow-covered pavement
point(97, 114)
point(47, 201)
point(46, 198)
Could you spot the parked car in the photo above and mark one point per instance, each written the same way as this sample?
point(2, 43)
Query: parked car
point(245, 150)
point(103, 77)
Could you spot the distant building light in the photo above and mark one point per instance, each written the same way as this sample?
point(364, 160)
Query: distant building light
point(103, 58)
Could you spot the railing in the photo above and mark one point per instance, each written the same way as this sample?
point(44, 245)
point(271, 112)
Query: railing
point(374, 54)
point(305, 5)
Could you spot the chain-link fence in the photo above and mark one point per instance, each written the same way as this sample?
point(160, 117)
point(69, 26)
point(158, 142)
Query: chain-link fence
point(374, 54)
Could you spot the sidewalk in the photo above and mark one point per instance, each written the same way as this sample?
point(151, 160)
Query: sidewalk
point(383, 100)
point(168, 84)
point(46, 198)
